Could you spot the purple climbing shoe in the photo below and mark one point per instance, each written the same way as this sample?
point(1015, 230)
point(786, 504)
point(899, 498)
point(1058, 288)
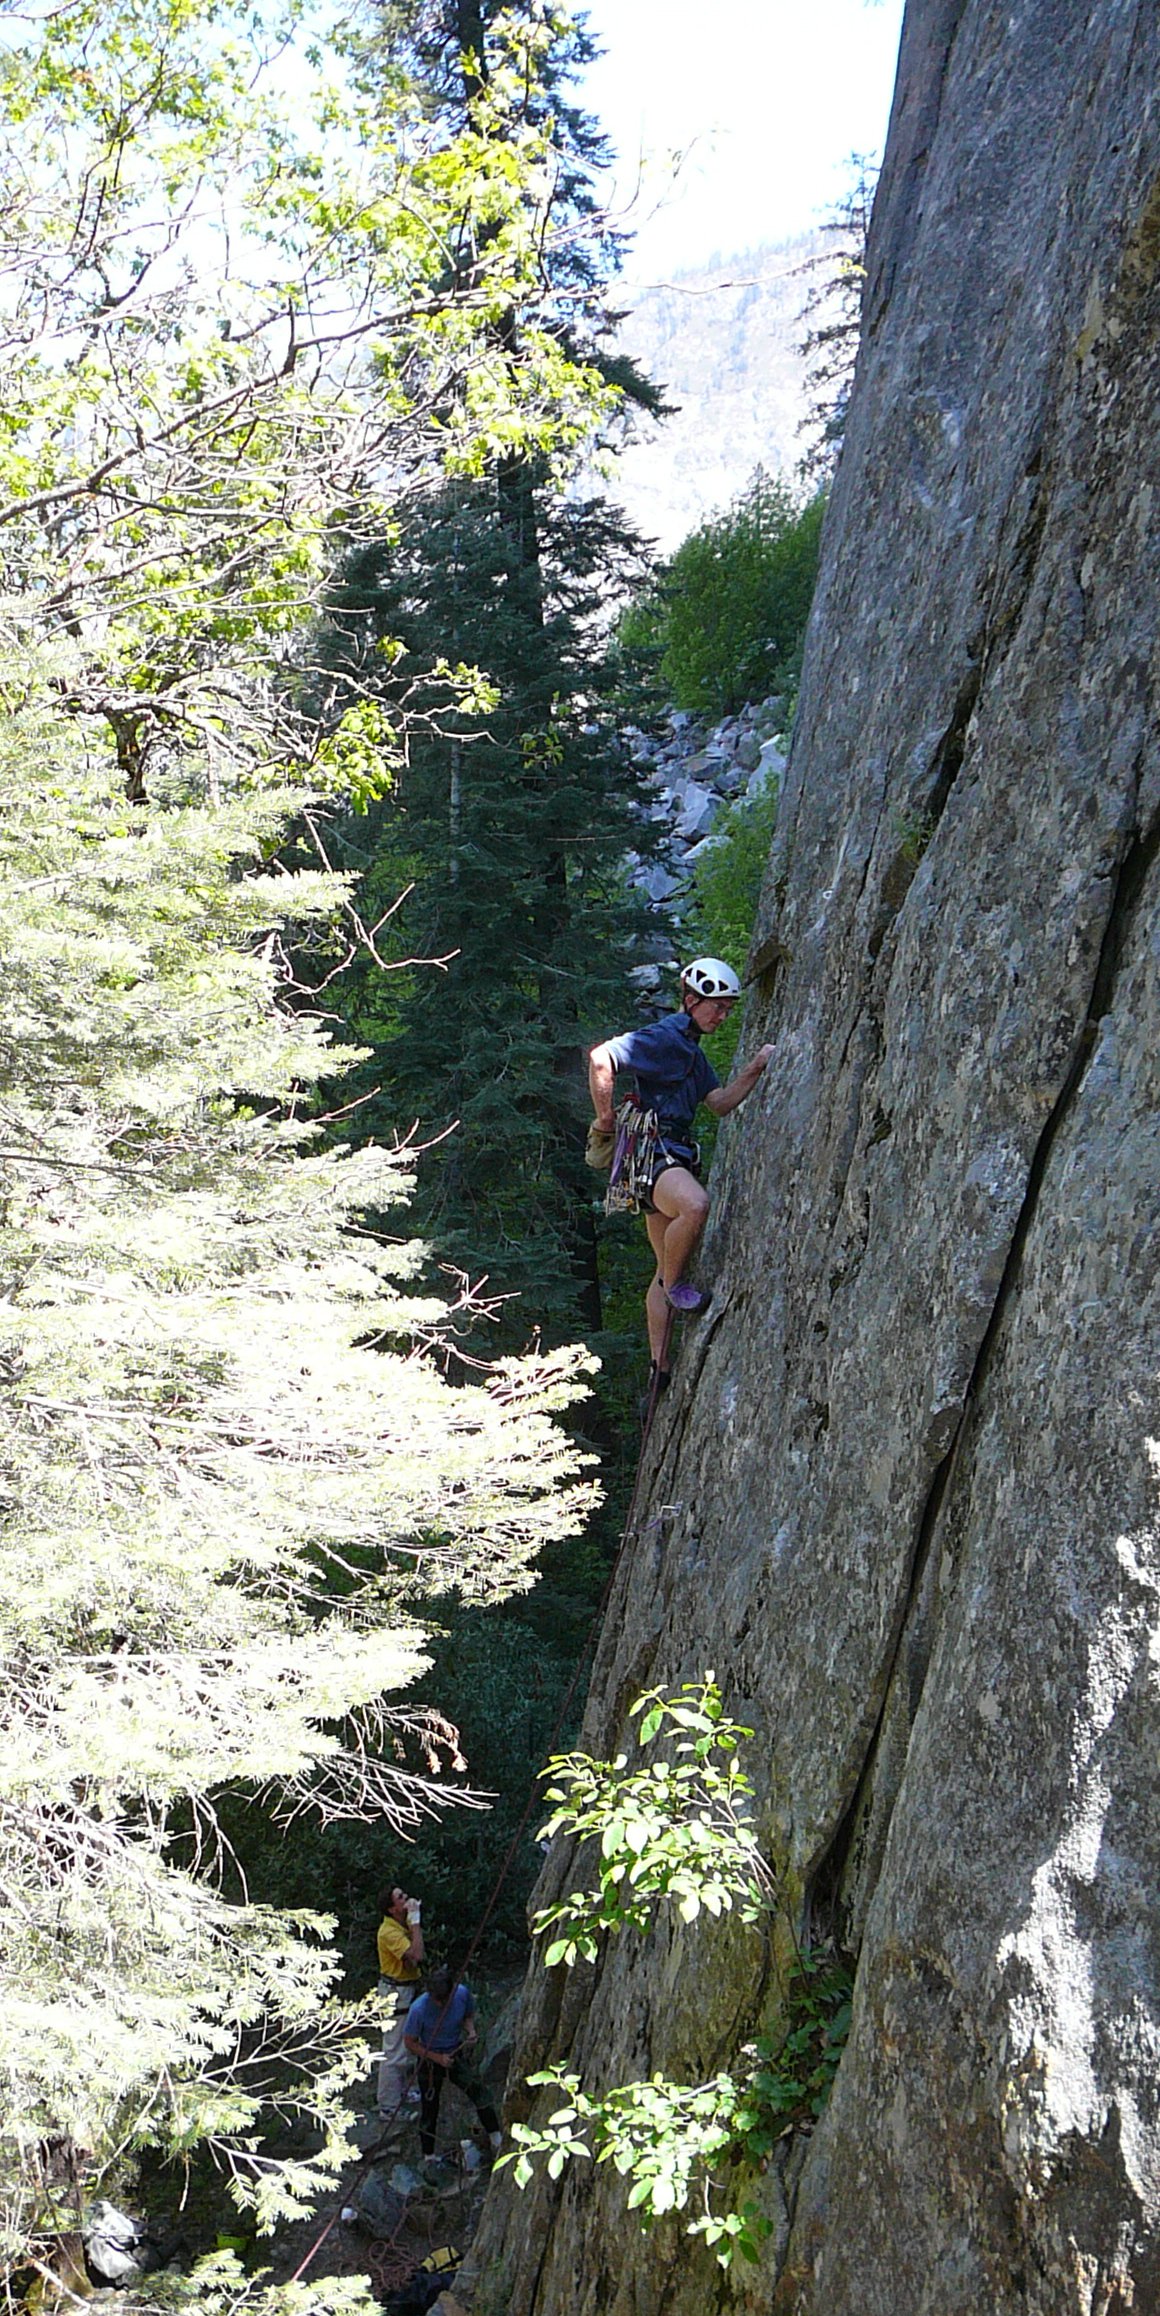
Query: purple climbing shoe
point(684, 1299)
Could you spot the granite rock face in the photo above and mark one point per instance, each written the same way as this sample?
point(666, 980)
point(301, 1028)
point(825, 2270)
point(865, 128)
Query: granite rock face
point(903, 1493)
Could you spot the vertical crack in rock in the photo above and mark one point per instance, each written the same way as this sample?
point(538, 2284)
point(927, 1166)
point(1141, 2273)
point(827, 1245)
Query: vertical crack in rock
point(927, 1608)
point(1140, 852)
point(929, 36)
point(916, 821)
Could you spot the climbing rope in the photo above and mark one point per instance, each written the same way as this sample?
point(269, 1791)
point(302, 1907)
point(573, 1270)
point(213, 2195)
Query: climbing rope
point(460, 1972)
point(570, 1691)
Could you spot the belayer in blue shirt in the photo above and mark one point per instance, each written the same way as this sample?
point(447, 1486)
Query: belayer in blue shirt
point(441, 2037)
point(674, 1077)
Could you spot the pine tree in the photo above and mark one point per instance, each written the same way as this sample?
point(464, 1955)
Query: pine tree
point(513, 822)
point(513, 826)
point(833, 313)
point(222, 1516)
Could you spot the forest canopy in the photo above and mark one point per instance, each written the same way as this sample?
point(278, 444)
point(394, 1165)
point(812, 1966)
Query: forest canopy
point(256, 296)
point(315, 799)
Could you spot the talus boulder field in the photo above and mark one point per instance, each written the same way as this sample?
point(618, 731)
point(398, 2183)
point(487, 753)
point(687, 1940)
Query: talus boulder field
point(902, 1495)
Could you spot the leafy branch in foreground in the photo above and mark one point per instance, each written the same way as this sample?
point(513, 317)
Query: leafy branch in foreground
point(663, 2136)
point(678, 1830)
point(249, 295)
point(667, 2137)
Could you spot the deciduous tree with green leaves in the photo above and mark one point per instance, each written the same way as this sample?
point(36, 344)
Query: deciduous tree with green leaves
point(727, 618)
point(227, 313)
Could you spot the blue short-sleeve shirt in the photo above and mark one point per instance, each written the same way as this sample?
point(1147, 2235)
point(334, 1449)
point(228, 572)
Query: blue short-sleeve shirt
point(673, 1074)
point(438, 2025)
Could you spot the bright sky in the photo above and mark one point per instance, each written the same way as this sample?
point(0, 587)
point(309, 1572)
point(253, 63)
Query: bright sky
point(771, 95)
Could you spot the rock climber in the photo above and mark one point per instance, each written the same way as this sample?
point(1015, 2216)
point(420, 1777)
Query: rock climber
point(441, 2036)
point(673, 1078)
point(400, 1943)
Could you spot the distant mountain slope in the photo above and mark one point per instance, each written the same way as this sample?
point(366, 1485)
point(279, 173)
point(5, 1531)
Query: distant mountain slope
point(724, 343)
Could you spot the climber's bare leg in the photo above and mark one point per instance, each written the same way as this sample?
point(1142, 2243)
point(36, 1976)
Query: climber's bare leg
point(656, 1309)
point(682, 1203)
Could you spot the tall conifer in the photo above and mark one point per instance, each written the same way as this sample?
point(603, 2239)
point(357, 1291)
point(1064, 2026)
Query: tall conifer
point(513, 825)
point(514, 822)
point(220, 1515)
point(229, 1479)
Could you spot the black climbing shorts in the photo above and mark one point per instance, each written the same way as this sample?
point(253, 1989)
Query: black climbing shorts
point(668, 1154)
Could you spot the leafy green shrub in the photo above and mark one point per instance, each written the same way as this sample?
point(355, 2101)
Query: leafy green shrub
point(677, 1831)
point(728, 619)
point(666, 2137)
point(662, 2136)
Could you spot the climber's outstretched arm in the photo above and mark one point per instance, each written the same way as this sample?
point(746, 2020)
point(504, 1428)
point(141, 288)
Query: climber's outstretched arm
point(729, 1097)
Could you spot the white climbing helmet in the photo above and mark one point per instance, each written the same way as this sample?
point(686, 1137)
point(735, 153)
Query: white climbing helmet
point(708, 977)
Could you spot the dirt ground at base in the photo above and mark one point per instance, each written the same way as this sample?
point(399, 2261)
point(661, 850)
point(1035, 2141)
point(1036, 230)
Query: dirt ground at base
point(432, 2217)
point(198, 2217)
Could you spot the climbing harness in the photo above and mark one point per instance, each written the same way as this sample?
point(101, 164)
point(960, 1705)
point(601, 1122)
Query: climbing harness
point(638, 1141)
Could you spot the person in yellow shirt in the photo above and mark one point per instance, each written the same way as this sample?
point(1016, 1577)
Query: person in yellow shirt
point(400, 1942)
